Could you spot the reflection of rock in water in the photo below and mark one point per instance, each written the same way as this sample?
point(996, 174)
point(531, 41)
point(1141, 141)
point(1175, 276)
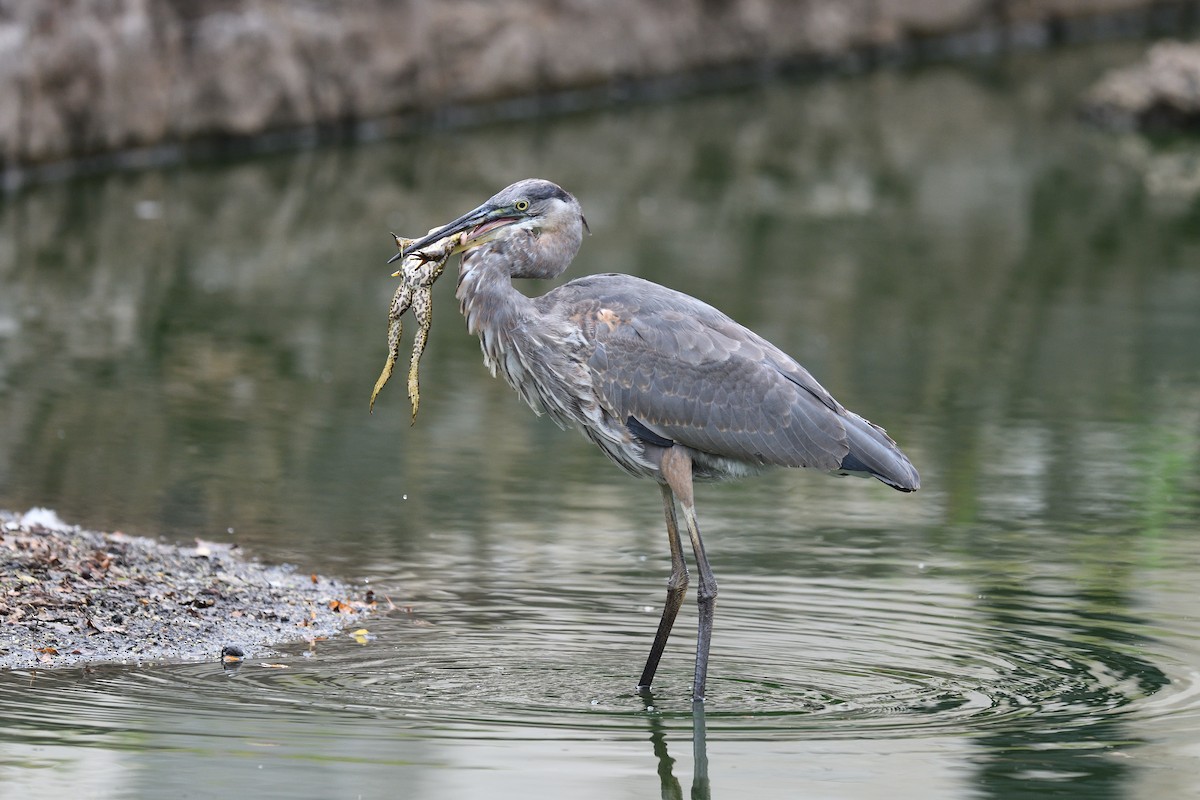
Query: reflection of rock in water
point(1170, 173)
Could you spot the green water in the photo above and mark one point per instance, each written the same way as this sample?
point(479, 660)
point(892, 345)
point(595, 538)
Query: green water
point(189, 352)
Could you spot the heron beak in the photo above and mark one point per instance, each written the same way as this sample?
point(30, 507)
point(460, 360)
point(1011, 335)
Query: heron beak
point(482, 223)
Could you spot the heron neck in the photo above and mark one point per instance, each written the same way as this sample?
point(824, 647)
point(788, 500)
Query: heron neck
point(491, 305)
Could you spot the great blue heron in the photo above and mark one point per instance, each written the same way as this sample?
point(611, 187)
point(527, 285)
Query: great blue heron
point(666, 386)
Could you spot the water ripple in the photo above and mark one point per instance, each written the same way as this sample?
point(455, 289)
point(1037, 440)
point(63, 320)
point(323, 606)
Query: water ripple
point(894, 658)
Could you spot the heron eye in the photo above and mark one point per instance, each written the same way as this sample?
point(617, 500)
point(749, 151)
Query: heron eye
point(521, 205)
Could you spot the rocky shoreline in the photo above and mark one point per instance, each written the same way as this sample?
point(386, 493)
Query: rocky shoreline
point(156, 78)
point(71, 596)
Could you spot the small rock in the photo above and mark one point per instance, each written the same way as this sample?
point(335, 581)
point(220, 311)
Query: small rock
point(1161, 93)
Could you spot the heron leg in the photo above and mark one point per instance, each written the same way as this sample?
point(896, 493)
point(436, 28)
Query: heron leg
point(676, 589)
point(676, 468)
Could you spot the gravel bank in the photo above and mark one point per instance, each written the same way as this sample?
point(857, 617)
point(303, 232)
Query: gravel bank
point(70, 596)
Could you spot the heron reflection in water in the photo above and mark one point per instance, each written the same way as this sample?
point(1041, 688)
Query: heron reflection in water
point(667, 386)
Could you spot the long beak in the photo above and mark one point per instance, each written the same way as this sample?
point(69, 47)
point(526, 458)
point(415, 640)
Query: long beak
point(472, 219)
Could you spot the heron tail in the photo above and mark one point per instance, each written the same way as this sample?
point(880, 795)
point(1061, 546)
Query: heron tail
point(873, 454)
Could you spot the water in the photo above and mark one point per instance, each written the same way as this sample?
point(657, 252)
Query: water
point(189, 352)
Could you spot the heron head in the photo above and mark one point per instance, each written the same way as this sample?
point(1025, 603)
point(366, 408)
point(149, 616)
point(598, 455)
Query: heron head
point(532, 206)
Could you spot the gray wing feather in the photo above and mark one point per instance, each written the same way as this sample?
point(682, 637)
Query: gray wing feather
point(690, 373)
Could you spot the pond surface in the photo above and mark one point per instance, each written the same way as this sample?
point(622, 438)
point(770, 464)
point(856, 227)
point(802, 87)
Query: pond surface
point(189, 352)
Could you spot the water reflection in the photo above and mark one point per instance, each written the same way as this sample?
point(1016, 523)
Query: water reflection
point(1086, 744)
point(936, 269)
point(190, 351)
point(669, 786)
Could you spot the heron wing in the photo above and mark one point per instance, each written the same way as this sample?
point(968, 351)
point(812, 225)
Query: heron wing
point(689, 373)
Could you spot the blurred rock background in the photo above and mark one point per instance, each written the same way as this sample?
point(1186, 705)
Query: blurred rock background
point(80, 78)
